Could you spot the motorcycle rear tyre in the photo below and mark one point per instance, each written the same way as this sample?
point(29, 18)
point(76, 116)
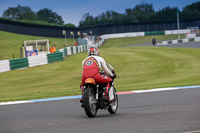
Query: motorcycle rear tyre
point(90, 109)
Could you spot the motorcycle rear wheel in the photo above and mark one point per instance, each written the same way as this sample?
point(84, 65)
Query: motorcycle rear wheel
point(89, 102)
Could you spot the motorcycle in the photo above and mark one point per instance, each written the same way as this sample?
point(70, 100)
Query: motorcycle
point(93, 97)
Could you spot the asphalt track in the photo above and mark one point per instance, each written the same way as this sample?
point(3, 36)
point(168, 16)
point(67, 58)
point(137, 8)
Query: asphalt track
point(179, 45)
point(176, 111)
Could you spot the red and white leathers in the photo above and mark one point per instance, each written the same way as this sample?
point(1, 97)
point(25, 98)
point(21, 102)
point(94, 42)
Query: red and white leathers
point(91, 66)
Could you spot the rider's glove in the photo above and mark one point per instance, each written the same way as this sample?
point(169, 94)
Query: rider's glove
point(114, 76)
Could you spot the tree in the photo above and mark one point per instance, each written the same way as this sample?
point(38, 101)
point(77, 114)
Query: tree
point(166, 14)
point(193, 7)
point(116, 17)
point(48, 15)
point(143, 12)
point(70, 25)
point(20, 13)
point(87, 20)
point(191, 11)
point(130, 16)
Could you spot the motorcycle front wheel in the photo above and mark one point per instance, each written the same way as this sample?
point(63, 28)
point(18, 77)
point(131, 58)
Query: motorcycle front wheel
point(112, 109)
point(89, 102)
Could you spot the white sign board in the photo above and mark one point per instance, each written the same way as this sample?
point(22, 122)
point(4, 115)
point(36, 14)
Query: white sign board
point(29, 48)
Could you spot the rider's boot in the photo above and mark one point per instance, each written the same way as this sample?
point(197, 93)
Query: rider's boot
point(106, 92)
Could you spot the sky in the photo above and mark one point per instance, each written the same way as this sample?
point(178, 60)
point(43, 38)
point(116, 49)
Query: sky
point(73, 10)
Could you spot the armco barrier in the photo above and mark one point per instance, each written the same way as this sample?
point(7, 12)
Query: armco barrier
point(58, 56)
point(72, 50)
point(183, 31)
point(4, 66)
point(77, 49)
point(65, 52)
point(131, 34)
point(61, 50)
point(37, 60)
point(191, 39)
point(174, 41)
point(154, 33)
point(135, 34)
point(84, 48)
point(169, 42)
point(18, 63)
point(196, 39)
point(81, 48)
point(69, 51)
point(185, 40)
point(180, 41)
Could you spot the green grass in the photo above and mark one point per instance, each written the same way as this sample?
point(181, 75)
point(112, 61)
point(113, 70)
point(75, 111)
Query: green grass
point(153, 67)
point(10, 43)
point(137, 67)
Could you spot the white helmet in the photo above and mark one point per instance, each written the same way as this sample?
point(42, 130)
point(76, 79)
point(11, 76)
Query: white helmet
point(93, 51)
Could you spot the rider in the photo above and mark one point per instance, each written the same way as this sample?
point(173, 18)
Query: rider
point(91, 68)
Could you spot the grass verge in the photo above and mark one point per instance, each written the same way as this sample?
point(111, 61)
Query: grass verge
point(138, 68)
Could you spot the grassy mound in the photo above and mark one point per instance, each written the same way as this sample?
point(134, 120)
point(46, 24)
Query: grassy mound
point(137, 67)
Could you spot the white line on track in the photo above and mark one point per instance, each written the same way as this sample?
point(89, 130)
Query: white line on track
point(154, 90)
point(15, 102)
point(198, 131)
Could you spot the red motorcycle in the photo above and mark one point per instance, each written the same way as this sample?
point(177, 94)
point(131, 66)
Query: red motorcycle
point(93, 98)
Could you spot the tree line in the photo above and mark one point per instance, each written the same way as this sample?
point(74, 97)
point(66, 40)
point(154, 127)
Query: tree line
point(26, 13)
point(142, 13)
